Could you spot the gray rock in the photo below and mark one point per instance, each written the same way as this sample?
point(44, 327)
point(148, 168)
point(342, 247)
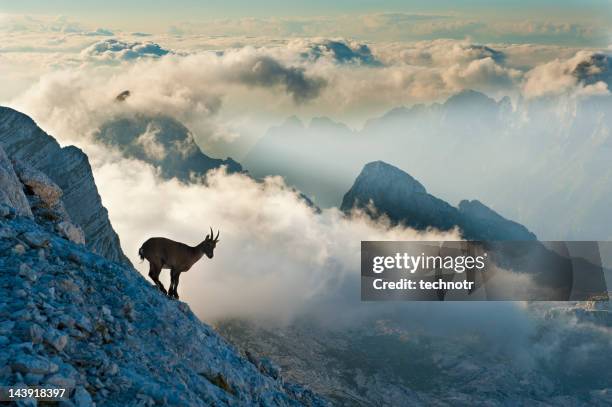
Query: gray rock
point(6, 327)
point(84, 323)
point(27, 272)
point(33, 364)
point(11, 193)
point(56, 339)
point(61, 381)
point(82, 398)
point(6, 211)
point(71, 232)
point(67, 167)
point(28, 402)
point(32, 379)
point(35, 239)
point(39, 183)
point(36, 333)
point(6, 232)
point(19, 249)
point(20, 293)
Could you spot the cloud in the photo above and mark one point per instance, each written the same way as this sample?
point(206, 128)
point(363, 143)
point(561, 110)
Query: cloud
point(113, 50)
point(189, 88)
point(484, 74)
point(586, 71)
point(149, 143)
point(267, 72)
point(229, 96)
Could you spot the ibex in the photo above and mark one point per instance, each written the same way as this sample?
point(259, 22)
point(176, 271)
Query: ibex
point(164, 253)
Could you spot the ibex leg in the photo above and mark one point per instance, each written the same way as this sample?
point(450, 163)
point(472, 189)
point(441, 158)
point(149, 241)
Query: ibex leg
point(154, 274)
point(174, 278)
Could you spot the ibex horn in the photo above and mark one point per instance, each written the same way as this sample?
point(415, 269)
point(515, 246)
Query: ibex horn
point(217, 237)
point(211, 233)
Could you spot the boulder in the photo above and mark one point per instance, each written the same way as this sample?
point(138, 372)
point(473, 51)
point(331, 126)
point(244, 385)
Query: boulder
point(33, 364)
point(40, 185)
point(71, 232)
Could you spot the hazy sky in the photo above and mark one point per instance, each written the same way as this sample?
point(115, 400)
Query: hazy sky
point(244, 8)
point(477, 18)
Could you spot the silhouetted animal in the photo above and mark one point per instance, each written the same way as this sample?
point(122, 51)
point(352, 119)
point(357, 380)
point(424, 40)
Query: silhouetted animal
point(164, 253)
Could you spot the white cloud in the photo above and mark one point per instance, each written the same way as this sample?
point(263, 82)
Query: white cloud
point(113, 49)
point(229, 98)
point(151, 146)
point(586, 69)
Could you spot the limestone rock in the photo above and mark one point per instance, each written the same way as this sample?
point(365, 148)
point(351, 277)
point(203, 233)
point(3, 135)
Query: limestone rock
point(33, 364)
point(39, 183)
point(69, 169)
point(71, 232)
point(11, 193)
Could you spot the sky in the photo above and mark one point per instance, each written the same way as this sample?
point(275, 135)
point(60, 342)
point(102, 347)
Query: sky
point(478, 18)
point(244, 8)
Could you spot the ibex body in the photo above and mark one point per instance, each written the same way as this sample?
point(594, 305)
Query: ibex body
point(164, 253)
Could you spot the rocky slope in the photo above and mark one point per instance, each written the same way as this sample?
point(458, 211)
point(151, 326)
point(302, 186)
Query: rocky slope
point(387, 362)
point(162, 142)
point(72, 318)
point(69, 168)
point(403, 199)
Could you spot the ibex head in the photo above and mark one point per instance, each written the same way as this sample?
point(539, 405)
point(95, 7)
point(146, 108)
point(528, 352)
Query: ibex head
point(209, 244)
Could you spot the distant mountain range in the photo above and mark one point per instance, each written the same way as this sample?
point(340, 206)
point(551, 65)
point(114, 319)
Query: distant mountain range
point(541, 162)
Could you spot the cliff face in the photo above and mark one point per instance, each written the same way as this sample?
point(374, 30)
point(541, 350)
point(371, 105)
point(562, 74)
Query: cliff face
point(67, 167)
point(73, 319)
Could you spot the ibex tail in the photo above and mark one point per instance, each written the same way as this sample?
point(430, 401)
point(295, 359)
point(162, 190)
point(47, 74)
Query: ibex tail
point(140, 254)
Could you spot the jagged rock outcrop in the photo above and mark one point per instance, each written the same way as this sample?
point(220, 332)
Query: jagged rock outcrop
point(68, 167)
point(381, 188)
point(162, 142)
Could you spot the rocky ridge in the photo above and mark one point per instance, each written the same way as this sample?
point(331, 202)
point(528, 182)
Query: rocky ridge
point(68, 167)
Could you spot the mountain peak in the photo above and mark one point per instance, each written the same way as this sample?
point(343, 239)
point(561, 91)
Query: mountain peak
point(163, 142)
point(389, 174)
point(404, 200)
point(469, 96)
